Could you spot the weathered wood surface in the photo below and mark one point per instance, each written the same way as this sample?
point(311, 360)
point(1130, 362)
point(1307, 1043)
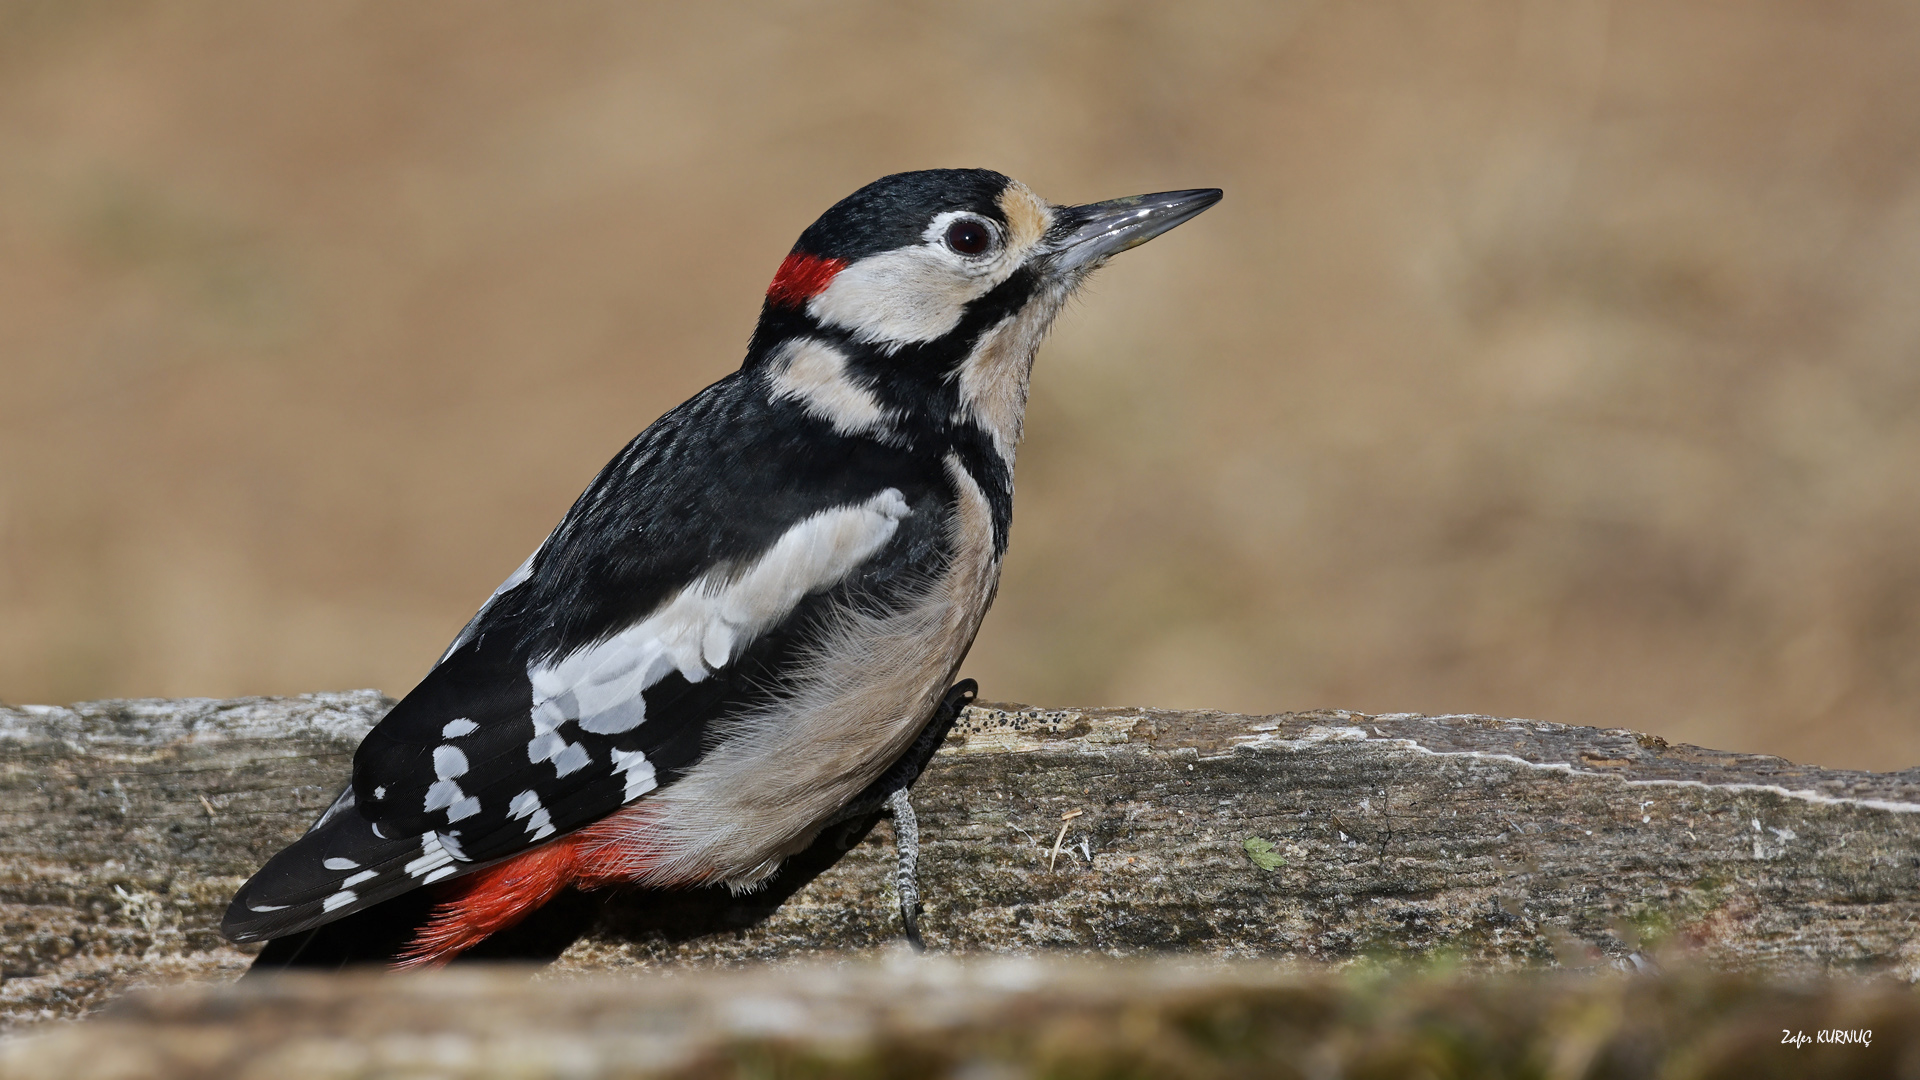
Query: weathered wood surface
point(940, 1017)
point(124, 827)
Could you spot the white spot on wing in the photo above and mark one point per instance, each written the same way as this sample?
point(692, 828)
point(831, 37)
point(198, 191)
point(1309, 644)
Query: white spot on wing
point(457, 728)
point(264, 908)
point(433, 855)
point(341, 864)
point(339, 900)
point(527, 805)
point(571, 760)
point(442, 794)
point(545, 746)
point(449, 762)
point(465, 808)
point(639, 771)
point(360, 878)
point(701, 628)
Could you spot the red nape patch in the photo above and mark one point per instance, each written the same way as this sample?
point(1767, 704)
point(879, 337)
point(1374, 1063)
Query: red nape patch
point(802, 277)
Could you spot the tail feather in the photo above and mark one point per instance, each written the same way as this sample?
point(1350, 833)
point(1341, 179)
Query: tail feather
point(342, 865)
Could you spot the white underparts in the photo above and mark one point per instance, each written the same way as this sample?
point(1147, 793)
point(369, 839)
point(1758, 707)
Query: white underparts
point(697, 631)
point(814, 373)
point(995, 375)
point(855, 702)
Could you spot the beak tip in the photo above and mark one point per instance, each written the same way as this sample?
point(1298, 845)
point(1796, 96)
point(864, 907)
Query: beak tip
point(1104, 229)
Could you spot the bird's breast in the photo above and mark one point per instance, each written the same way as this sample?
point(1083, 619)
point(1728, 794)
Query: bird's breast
point(862, 690)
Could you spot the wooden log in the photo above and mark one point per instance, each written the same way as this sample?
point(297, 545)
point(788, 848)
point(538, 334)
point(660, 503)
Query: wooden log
point(1325, 836)
point(987, 1017)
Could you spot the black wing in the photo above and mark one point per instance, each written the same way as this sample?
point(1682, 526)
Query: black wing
point(557, 704)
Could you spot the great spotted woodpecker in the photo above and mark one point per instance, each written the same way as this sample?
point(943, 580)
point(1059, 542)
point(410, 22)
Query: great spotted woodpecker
point(744, 630)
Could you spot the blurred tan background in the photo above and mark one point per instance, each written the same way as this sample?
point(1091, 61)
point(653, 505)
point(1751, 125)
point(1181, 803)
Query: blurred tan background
point(1554, 359)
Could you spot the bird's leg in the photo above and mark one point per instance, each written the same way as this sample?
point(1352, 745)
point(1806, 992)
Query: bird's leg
point(906, 876)
point(890, 793)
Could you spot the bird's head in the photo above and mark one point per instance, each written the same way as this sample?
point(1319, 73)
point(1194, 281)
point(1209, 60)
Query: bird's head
point(924, 295)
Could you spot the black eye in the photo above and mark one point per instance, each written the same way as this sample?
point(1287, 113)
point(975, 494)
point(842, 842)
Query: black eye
point(968, 237)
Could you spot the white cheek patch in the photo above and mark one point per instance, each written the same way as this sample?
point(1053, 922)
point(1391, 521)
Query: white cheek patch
point(920, 293)
point(698, 631)
point(814, 373)
point(899, 297)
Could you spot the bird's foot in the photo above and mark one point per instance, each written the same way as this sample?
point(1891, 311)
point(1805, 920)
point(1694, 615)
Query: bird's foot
point(890, 793)
point(906, 875)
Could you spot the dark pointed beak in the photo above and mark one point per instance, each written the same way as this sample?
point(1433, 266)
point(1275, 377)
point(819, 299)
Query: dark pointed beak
point(1095, 232)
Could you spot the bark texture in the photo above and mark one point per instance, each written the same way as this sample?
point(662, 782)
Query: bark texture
point(1326, 836)
point(934, 1017)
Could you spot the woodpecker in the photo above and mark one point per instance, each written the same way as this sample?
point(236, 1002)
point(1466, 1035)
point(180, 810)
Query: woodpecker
point(745, 629)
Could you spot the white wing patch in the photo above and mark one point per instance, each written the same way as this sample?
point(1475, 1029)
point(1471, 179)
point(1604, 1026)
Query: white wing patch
point(814, 373)
point(696, 632)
